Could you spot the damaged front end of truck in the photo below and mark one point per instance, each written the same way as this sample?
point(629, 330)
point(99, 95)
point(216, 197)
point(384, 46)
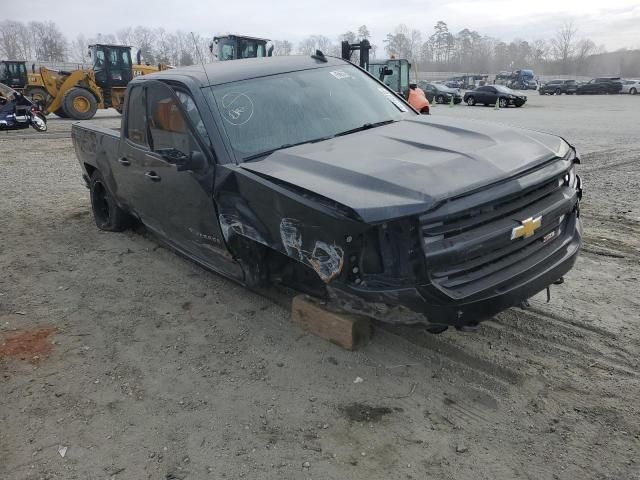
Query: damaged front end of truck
point(449, 261)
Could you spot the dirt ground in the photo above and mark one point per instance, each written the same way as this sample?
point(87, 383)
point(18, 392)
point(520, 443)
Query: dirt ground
point(161, 370)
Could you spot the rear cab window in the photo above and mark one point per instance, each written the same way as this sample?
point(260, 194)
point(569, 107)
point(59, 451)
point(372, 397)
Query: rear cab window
point(136, 126)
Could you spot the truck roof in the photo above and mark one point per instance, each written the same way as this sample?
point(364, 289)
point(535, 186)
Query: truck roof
point(223, 72)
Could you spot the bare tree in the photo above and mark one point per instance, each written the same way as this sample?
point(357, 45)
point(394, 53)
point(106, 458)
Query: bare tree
point(539, 51)
point(563, 44)
point(78, 49)
point(282, 47)
point(584, 49)
point(144, 40)
point(49, 42)
point(363, 33)
point(125, 36)
point(309, 45)
point(10, 40)
point(398, 44)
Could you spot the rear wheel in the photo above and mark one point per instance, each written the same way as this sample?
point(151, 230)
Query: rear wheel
point(633, 91)
point(558, 91)
point(79, 104)
point(107, 214)
point(471, 101)
point(439, 99)
point(61, 113)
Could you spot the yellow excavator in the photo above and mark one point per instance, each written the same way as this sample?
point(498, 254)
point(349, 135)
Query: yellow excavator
point(78, 94)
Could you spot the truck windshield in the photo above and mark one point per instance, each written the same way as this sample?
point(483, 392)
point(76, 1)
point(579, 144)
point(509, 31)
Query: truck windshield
point(268, 113)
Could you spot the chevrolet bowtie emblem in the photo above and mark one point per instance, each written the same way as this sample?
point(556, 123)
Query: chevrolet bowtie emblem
point(528, 228)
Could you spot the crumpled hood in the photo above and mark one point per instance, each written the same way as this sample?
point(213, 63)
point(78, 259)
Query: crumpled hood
point(407, 167)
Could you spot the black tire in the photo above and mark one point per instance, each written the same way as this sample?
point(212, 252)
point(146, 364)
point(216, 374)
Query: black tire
point(633, 91)
point(471, 101)
point(107, 214)
point(558, 91)
point(439, 99)
point(504, 103)
point(79, 104)
point(61, 113)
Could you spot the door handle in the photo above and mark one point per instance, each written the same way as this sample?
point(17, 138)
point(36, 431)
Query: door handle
point(153, 176)
point(124, 161)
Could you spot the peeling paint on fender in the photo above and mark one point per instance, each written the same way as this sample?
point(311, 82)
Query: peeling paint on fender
point(327, 260)
point(230, 223)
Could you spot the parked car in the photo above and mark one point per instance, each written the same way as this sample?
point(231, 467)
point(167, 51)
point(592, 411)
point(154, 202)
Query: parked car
point(630, 86)
point(492, 94)
point(439, 93)
point(557, 87)
point(309, 172)
point(600, 86)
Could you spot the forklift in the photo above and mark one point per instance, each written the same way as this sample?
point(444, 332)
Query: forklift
point(236, 47)
point(13, 73)
point(394, 73)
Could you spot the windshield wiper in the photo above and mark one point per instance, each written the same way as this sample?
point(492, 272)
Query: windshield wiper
point(366, 126)
point(286, 145)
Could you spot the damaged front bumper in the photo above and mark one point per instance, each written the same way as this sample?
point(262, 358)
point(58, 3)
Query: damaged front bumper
point(427, 304)
point(479, 260)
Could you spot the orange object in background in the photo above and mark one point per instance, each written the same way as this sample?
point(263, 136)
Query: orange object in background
point(418, 100)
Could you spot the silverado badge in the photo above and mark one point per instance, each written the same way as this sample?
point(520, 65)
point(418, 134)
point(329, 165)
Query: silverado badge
point(528, 228)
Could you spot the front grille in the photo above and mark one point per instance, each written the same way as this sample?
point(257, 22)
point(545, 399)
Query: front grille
point(471, 250)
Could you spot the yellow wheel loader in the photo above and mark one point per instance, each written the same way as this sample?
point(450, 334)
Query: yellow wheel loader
point(80, 93)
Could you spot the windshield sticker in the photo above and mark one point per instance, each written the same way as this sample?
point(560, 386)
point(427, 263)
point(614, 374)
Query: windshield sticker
point(339, 74)
point(237, 108)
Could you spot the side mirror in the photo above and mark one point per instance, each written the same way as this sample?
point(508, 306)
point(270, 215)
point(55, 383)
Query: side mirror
point(386, 71)
point(195, 161)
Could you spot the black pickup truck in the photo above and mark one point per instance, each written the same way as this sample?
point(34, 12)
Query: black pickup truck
point(309, 172)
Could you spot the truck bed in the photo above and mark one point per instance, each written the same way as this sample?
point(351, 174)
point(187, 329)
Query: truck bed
point(95, 147)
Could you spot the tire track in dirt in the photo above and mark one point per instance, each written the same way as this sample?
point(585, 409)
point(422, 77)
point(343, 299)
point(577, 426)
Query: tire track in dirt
point(447, 350)
point(547, 332)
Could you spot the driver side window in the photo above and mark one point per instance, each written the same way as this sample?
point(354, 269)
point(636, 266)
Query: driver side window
point(169, 132)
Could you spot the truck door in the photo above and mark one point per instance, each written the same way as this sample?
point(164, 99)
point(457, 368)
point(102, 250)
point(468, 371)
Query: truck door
point(178, 201)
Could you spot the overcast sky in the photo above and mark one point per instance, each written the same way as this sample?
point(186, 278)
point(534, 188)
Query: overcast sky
point(614, 23)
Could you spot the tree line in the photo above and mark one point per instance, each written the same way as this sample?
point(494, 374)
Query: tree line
point(437, 50)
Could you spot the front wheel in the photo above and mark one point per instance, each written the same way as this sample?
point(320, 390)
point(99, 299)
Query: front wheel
point(558, 91)
point(633, 91)
point(39, 122)
point(503, 102)
point(107, 214)
point(471, 101)
point(439, 99)
point(79, 104)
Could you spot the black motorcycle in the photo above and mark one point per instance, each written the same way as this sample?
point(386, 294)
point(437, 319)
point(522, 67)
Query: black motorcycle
point(18, 112)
